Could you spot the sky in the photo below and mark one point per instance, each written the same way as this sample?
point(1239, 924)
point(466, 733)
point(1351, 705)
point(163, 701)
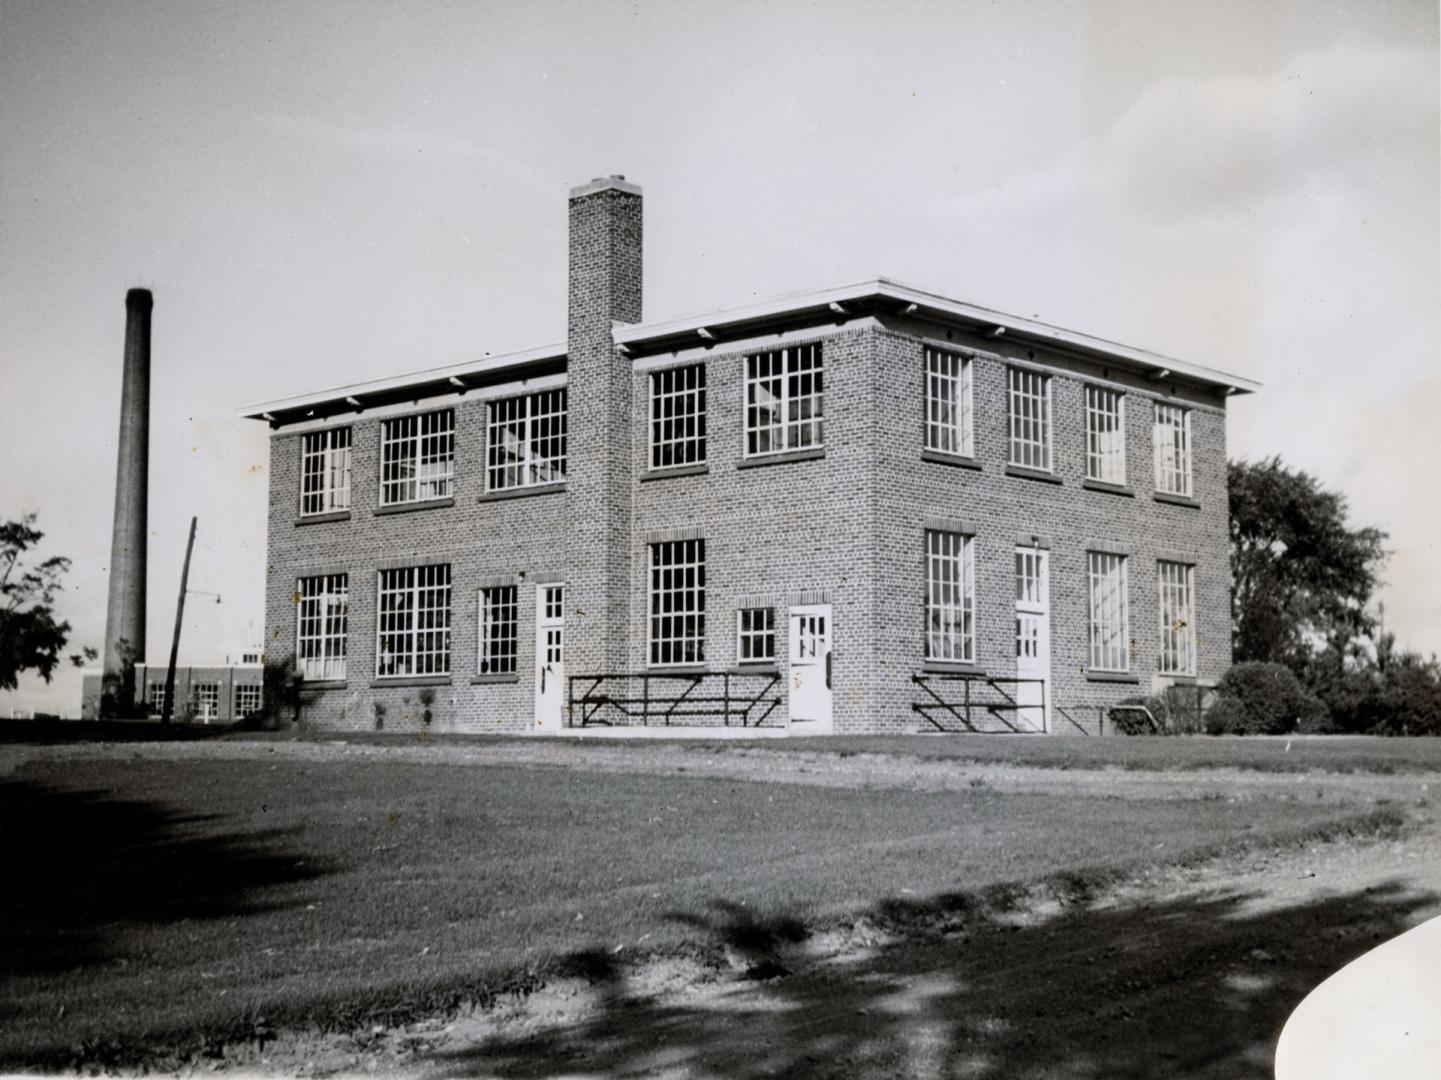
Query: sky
point(320, 193)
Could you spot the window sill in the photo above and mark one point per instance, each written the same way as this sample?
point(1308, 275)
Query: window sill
point(754, 669)
point(522, 492)
point(1113, 677)
point(1176, 678)
point(1032, 474)
point(322, 684)
point(961, 461)
point(1177, 500)
point(1108, 488)
point(678, 669)
point(410, 680)
point(675, 470)
point(407, 507)
point(321, 519)
point(496, 679)
point(943, 667)
point(784, 458)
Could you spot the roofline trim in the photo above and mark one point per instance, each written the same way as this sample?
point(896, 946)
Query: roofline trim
point(887, 289)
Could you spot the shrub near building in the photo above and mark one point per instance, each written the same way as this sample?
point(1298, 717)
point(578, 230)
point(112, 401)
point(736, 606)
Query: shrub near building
point(1264, 699)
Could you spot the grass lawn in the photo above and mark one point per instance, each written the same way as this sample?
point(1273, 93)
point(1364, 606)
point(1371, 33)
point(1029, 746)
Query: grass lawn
point(146, 903)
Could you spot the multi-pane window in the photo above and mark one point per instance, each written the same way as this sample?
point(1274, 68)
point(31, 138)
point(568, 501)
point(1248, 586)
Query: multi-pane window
point(417, 457)
point(1178, 630)
point(413, 621)
point(677, 417)
point(247, 699)
point(499, 630)
point(1173, 449)
point(948, 402)
point(325, 471)
point(1029, 411)
point(322, 617)
point(756, 628)
point(785, 403)
point(950, 596)
point(206, 698)
point(155, 697)
point(677, 602)
point(525, 440)
point(1110, 629)
point(1105, 435)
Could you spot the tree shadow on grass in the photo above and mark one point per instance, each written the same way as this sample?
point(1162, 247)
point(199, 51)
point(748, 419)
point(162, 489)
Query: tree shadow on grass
point(77, 866)
point(1196, 987)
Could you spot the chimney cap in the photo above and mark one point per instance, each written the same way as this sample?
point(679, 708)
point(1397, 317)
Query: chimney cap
point(614, 182)
point(139, 298)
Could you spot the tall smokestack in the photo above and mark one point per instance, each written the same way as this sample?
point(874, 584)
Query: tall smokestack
point(125, 614)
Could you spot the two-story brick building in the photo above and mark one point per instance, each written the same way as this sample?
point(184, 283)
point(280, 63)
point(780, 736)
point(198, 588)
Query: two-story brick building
point(808, 515)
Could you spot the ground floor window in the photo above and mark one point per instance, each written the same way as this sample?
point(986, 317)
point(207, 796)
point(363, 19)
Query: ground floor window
point(499, 630)
point(206, 698)
point(155, 697)
point(323, 612)
point(413, 621)
point(677, 602)
point(756, 628)
point(1178, 629)
point(247, 699)
point(950, 596)
point(1110, 630)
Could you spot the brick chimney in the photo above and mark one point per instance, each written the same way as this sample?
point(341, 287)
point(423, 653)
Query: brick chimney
point(605, 287)
point(125, 611)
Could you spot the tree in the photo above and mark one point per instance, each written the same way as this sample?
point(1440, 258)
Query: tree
point(1300, 578)
point(30, 637)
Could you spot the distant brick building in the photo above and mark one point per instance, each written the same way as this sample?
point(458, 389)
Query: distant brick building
point(862, 509)
point(216, 694)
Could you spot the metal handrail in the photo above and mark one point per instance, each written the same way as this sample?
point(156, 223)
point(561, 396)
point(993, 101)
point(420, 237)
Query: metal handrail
point(613, 699)
point(962, 710)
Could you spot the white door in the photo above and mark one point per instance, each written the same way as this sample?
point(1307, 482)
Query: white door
point(810, 671)
point(1033, 638)
point(549, 656)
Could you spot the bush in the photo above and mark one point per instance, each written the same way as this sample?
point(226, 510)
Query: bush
point(1264, 699)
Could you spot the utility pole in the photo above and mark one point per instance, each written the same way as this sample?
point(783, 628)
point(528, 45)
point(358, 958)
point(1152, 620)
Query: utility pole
point(175, 641)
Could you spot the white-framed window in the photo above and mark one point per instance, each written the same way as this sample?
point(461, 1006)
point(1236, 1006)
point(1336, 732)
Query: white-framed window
point(525, 440)
point(499, 630)
point(321, 625)
point(155, 698)
point(950, 596)
point(677, 417)
point(1175, 588)
point(1029, 412)
point(325, 471)
point(949, 409)
point(785, 400)
point(247, 699)
point(412, 625)
point(206, 697)
point(417, 457)
point(1173, 449)
point(755, 635)
point(1110, 618)
point(677, 603)
point(1105, 435)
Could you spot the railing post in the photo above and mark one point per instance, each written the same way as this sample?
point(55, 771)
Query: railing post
point(645, 699)
point(726, 697)
point(968, 705)
point(570, 701)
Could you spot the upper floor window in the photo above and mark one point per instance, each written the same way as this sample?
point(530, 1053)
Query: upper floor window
point(1173, 449)
point(677, 602)
point(1110, 619)
point(785, 403)
point(499, 630)
point(756, 635)
point(1029, 411)
point(950, 596)
point(417, 457)
point(412, 623)
point(1178, 617)
point(321, 618)
point(1105, 435)
point(677, 417)
point(525, 440)
point(948, 403)
point(325, 471)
